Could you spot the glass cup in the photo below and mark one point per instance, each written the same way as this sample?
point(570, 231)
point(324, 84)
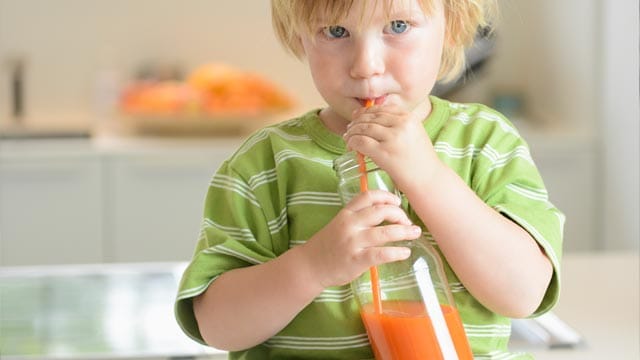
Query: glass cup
point(406, 306)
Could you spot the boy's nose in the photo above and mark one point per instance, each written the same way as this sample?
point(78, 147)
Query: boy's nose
point(368, 60)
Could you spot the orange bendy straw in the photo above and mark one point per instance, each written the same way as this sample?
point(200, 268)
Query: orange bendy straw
point(364, 186)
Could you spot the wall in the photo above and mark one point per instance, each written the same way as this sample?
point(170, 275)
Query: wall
point(575, 62)
point(619, 118)
point(545, 53)
point(68, 43)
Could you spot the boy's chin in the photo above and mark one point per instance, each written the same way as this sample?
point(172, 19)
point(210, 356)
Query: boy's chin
point(335, 115)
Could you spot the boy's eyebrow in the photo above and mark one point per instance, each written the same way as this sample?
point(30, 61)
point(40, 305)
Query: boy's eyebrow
point(405, 14)
point(393, 12)
point(322, 21)
point(392, 15)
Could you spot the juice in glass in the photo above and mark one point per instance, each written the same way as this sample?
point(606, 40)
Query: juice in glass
point(403, 331)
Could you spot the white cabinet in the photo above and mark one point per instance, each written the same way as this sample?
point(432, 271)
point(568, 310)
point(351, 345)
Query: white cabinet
point(156, 202)
point(69, 201)
point(50, 209)
point(571, 181)
point(568, 165)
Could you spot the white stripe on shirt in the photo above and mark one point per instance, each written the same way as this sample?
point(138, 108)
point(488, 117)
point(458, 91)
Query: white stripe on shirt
point(314, 198)
point(318, 343)
point(231, 184)
point(236, 233)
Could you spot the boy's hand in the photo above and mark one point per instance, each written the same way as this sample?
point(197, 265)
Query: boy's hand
point(396, 141)
point(352, 242)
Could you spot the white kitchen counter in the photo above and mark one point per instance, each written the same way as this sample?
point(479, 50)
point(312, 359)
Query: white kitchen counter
point(599, 299)
point(124, 311)
point(111, 198)
point(19, 149)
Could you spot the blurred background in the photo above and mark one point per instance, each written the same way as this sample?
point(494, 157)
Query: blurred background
point(111, 123)
point(88, 177)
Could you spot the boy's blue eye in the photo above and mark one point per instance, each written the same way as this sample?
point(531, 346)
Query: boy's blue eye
point(398, 26)
point(335, 31)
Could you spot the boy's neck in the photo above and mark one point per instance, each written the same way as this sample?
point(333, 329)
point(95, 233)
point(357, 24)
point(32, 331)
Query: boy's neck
point(333, 122)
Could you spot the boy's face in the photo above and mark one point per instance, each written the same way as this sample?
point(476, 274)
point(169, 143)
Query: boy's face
point(392, 59)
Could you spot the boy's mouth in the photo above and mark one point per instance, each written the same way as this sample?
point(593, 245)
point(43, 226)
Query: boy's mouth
point(376, 100)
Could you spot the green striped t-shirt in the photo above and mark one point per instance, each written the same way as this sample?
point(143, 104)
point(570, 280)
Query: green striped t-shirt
point(279, 188)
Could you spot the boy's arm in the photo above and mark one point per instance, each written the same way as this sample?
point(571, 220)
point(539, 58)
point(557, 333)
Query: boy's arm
point(508, 277)
point(246, 306)
point(496, 259)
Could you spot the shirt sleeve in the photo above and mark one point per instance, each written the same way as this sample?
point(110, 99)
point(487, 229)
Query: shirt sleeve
point(234, 233)
point(509, 182)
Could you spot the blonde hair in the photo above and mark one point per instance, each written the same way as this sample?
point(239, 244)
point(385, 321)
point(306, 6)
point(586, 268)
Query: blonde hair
point(463, 19)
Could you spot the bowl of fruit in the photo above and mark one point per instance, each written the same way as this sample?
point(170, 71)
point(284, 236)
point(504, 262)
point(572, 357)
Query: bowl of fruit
point(213, 99)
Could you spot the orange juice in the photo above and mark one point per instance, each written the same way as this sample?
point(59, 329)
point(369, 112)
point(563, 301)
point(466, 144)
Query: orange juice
point(403, 331)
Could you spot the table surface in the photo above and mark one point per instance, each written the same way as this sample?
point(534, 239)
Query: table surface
point(124, 311)
point(600, 300)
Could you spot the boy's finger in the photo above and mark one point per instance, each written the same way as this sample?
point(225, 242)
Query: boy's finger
point(377, 113)
point(370, 198)
point(380, 255)
point(377, 214)
point(369, 129)
point(388, 109)
point(381, 235)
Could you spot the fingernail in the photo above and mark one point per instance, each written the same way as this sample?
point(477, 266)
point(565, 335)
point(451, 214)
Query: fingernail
point(404, 252)
point(416, 230)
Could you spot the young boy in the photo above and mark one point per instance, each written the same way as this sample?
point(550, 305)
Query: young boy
point(270, 275)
